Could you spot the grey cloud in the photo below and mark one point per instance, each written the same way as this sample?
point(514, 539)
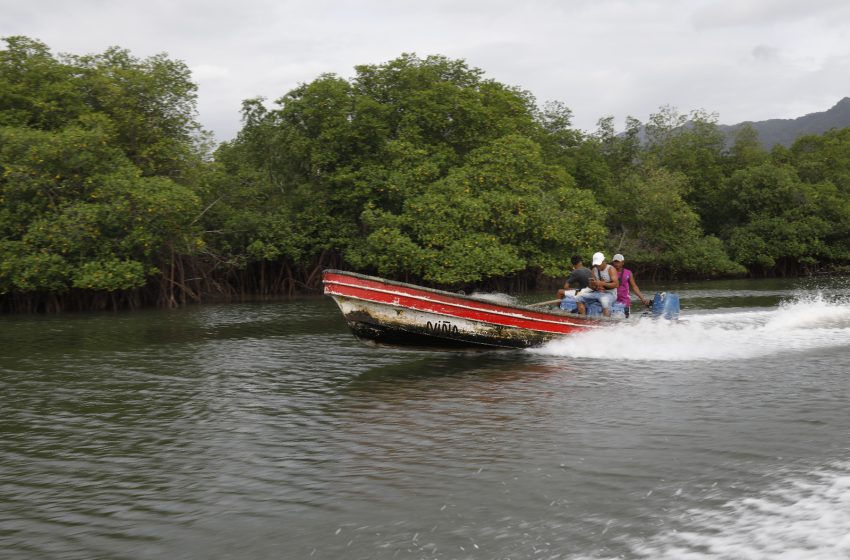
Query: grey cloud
point(600, 57)
point(765, 12)
point(766, 53)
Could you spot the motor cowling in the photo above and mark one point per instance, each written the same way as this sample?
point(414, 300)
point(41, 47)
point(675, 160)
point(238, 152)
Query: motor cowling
point(665, 305)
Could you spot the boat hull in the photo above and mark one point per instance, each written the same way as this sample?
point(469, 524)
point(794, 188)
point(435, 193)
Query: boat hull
point(396, 313)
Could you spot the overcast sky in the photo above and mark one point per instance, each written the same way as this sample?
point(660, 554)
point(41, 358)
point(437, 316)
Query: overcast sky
point(741, 59)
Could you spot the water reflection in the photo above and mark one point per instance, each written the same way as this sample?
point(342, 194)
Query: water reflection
point(262, 430)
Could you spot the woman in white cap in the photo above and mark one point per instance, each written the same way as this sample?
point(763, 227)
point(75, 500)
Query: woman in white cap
point(627, 280)
point(604, 282)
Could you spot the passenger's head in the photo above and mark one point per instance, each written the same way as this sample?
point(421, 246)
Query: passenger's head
point(598, 258)
point(617, 261)
point(576, 259)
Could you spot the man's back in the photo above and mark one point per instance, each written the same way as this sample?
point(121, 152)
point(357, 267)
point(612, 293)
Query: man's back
point(580, 278)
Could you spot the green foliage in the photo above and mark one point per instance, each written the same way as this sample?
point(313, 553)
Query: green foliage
point(649, 212)
point(622, 152)
point(36, 90)
point(110, 276)
point(355, 167)
point(824, 158)
point(778, 217)
point(83, 208)
point(746, 149)
point(151, 103)
point(97, 156)
point(694, 146)
point(504, 211)
point(650, 221)
point(559, 142)
point(419, 168)
point(24, 271)
point(765, 240)
point(701, 256)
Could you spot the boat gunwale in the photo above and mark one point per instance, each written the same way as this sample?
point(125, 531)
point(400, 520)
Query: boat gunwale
point(497, 308)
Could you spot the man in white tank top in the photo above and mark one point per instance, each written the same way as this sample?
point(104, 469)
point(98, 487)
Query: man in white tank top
point(604, 282)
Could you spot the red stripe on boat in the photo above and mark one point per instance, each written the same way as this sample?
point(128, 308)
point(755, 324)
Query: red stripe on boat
point(451, 305)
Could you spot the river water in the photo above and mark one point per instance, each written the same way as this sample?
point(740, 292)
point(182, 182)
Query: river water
point(266, 431)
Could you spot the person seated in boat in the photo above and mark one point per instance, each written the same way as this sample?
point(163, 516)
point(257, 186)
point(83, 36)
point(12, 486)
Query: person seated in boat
point(578, 279)
point(603, 284)
point(627, 281)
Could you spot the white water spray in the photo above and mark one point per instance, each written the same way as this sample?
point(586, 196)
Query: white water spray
point(802, 516)
point(805, 323)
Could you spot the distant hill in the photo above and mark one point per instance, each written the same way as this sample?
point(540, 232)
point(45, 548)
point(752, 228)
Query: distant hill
point(786, 131)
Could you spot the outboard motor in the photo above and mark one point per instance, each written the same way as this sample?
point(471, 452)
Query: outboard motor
point(665, 305)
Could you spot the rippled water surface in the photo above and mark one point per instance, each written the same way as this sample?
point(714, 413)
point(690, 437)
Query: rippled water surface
point(267, 431)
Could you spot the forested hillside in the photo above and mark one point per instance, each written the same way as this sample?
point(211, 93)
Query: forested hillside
point(420, 169)
point(787, 131)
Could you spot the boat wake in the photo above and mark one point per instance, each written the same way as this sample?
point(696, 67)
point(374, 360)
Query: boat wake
point(803, 515)
point(803, 324)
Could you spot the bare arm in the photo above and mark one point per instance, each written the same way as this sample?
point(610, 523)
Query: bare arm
point(636, 290)
point(601, 285)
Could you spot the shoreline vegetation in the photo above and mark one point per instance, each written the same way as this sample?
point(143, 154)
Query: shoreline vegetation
point(418, 169)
